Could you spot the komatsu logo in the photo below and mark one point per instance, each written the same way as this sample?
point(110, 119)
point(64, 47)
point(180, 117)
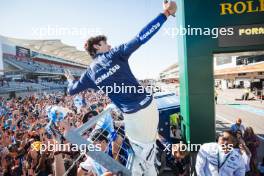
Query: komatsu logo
point(110, 72)
point(153, 28)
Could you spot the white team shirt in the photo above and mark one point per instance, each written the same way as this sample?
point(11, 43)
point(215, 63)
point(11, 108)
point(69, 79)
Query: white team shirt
point(209, 162)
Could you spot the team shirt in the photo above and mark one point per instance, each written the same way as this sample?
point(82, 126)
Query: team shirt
point(111, 69)
point(211, 161)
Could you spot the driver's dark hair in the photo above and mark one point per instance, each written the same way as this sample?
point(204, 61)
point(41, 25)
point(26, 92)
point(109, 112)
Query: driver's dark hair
point(93, 41)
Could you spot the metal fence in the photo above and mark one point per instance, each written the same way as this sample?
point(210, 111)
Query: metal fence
point(119, 163)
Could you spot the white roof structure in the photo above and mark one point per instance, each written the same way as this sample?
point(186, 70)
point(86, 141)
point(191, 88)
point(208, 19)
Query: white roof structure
point(172, 72)
point(54, 48)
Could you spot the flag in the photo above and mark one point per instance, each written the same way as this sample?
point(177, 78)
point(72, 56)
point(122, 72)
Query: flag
point(79, 102)
point(57, 113)
point(106, 123)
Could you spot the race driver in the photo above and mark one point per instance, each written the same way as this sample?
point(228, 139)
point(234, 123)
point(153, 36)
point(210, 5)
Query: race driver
point(110, 68)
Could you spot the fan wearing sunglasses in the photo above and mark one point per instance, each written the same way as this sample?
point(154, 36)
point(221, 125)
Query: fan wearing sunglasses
point(220, 158)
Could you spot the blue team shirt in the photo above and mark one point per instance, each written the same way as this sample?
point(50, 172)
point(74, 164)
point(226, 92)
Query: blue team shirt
point(111, 69)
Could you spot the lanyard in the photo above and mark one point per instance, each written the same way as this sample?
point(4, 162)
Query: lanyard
point(218, 159)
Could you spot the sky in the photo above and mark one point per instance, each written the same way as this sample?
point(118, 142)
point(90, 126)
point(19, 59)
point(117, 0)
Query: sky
point(119, 20)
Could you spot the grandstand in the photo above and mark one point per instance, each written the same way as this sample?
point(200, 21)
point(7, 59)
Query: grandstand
point(36, 65)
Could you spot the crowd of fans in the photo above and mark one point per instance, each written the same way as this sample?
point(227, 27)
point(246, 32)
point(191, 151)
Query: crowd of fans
point(248, 144)
point(234, 153)
point(23, 122)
